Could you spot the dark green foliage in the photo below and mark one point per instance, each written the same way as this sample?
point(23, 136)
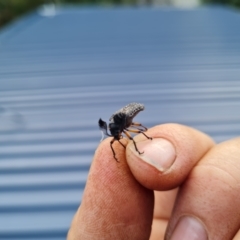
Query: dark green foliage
point(10, 9)
point(235, 3)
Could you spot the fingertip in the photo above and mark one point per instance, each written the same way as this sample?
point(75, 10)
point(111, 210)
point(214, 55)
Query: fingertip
point(169, 157)
point(104, 151)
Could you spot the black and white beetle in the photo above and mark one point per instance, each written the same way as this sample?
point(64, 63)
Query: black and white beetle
point(120, 122)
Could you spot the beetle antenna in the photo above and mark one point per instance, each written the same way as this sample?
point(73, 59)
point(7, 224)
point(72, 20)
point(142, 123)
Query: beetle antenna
point(103, 127)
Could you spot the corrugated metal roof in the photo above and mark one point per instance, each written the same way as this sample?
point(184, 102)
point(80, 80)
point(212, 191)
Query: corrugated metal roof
point(60, 72)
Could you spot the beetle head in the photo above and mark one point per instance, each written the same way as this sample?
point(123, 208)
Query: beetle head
point(115, 130)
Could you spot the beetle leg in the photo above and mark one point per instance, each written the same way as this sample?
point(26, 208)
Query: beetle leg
point(121, 143)
point(114, 154)
point(136, 124)
point(139, 131)
point(111, 143)
point(130, 137)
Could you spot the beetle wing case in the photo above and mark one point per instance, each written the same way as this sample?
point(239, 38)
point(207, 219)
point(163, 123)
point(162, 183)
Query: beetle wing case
point(131, 110)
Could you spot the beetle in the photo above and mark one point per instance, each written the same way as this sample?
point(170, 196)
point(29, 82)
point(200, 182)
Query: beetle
point(120, 122)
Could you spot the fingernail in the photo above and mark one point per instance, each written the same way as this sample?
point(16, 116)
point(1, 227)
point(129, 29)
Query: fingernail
point(158, 152)
point(189, 228)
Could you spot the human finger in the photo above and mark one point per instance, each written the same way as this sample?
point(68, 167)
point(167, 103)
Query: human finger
point(207, 206)
point(165, 164)
point(114, 204)
point(168, 158)
point(163, 205)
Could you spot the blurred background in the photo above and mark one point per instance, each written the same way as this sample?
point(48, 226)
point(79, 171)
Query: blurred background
point(64, 65)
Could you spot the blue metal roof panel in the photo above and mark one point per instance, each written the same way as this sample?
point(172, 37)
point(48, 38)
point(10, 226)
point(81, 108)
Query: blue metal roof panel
point(59, 74)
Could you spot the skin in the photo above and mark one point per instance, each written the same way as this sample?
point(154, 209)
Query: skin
point(194, 197)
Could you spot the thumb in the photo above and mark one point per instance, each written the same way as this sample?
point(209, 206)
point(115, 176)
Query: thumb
point(168, 158)
point(165, 164)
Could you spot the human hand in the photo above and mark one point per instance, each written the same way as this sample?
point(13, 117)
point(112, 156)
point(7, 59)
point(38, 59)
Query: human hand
point(118, 201)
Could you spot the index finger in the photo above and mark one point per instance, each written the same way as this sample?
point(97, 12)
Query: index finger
point(114, 204)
